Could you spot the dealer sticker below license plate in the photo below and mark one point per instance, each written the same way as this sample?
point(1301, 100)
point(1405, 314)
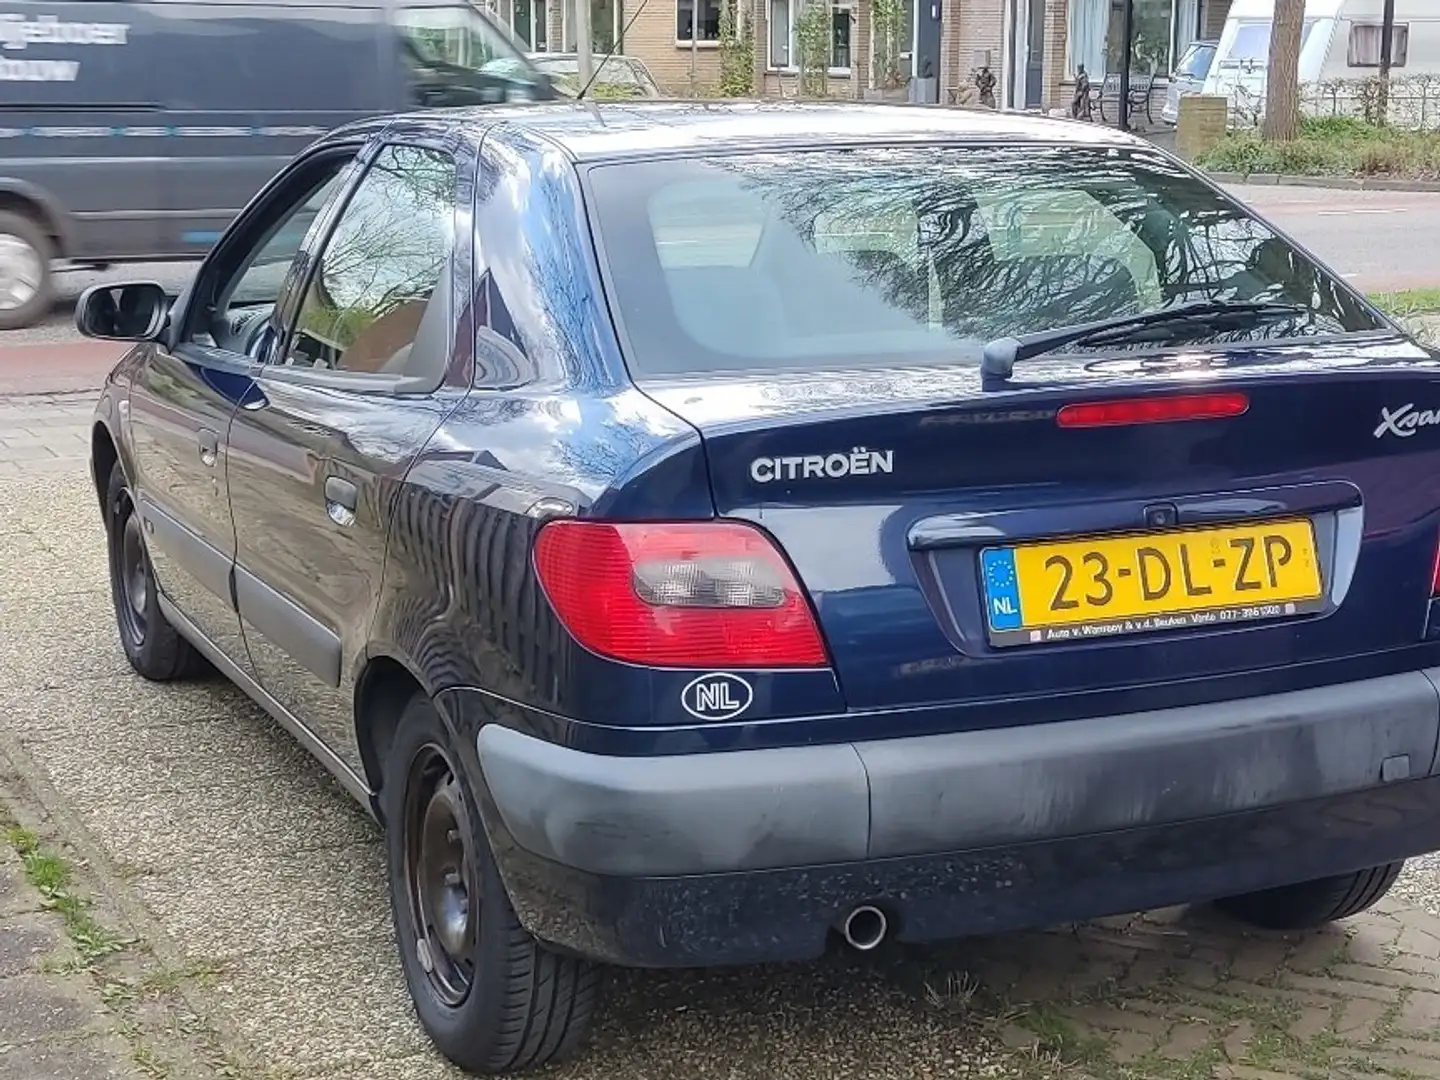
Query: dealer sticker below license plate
point(1102, 586)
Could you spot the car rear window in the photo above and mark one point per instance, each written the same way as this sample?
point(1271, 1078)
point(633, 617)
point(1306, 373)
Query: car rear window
point(887, 255)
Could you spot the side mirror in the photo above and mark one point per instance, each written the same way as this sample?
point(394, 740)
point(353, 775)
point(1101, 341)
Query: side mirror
point(137, 311)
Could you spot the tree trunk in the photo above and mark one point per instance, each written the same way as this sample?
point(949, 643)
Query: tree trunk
point(1282, 77)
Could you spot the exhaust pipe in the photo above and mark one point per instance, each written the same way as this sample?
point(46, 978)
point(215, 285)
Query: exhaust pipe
point(864, 928)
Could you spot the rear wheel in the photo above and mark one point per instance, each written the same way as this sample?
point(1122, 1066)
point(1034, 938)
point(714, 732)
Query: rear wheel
point(25, 274)
point(1313, 903)
point(490, 996)
point(153, 647)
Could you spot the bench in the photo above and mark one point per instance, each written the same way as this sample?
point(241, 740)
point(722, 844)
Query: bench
point(1142, 91)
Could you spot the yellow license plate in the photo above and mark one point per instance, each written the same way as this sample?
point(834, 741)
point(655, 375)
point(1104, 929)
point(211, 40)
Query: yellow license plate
point(1138, 583)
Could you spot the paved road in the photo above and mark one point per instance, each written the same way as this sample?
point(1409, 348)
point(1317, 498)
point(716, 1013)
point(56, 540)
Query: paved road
point(1380, 240)
point(244, 894)
point(1370, 236)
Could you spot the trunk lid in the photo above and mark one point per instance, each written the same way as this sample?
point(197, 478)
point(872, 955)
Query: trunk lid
point(902, 496)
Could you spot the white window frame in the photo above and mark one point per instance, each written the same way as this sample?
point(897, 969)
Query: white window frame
point(566, 44)
point(686, 43)
point(539, 16)
point(1399, 44)
point(792, 68)
point(907, 52)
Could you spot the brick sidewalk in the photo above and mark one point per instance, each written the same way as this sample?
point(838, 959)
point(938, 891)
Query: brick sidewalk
point(52, 1022)
point(45, 432)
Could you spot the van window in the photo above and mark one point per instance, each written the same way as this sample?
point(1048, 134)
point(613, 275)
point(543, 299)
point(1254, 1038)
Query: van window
point(457, 56)
point(1251, 45)
point(1365, 41)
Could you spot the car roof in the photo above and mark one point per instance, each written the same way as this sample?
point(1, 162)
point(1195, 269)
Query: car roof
point(590, 131)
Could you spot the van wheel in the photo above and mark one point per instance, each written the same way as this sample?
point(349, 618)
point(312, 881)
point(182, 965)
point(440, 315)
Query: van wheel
point(25, 278)
point(1313, 903)
point(491, 997)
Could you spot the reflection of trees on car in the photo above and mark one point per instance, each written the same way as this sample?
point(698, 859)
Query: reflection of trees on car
point(385, 256)
point(997, 243)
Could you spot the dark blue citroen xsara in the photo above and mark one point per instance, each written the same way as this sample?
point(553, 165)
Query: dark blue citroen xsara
point(704, 532)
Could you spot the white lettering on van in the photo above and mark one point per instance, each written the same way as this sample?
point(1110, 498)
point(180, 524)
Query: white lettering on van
point(17, 32)
point(1404, 421)
point(38, 70)
point(858, 462)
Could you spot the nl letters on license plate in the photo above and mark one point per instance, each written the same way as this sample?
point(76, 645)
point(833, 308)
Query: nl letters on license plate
point(1072, 590)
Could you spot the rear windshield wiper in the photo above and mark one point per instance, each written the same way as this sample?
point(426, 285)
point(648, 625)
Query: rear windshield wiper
point(1001, 355)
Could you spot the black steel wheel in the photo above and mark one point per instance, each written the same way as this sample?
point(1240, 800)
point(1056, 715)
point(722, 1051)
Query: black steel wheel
point(440, 878)
point(491, 997)
point(135, 580)
point(151, 644)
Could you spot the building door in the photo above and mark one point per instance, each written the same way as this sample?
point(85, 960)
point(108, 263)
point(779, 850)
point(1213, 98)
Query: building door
point(927, 51)
point(1035, 54)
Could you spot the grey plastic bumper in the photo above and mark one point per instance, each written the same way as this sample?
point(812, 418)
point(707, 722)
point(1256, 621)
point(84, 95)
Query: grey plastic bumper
point(804, 806)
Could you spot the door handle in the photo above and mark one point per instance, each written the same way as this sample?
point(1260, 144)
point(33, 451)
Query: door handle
point(340, 499)
point(209, 446)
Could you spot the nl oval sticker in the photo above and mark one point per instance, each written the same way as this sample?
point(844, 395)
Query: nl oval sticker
point(717, 696)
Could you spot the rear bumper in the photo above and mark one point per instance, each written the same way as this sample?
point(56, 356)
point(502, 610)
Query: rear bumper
point(750, 855)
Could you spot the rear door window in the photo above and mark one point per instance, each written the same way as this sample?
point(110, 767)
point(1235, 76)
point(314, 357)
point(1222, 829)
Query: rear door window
point(377, 301)
point(922, 255)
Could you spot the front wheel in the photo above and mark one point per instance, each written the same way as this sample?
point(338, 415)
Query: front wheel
point(1313, 903)
point(491, 997)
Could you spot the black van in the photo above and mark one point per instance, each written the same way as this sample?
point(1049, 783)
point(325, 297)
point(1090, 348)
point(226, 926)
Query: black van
point(136, 131)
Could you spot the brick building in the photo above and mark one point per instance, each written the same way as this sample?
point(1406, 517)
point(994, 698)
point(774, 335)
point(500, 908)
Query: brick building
point(1033, 47)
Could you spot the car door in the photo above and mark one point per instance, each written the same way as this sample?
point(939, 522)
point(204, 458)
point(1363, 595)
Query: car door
point(190, 384)
point(339, 411)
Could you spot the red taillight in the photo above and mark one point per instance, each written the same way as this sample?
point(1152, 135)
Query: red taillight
point(701, 594)
point(1152, 410)
point(1435, 575)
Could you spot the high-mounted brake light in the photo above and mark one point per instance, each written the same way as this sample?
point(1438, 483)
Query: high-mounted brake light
point(1152, 410)
point(699, 594)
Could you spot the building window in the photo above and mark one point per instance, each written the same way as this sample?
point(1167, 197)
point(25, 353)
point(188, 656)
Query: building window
point(840, 23)
point(527, 19)
point(891, 55)
point(1095, 35)
point(1365, 41)
point(607, 25)
point(784, 53)
point(685, 20)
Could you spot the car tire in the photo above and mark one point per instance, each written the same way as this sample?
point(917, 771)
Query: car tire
point(1313, 903)
point(26, 278)
point(154, 648)
point(491, 997)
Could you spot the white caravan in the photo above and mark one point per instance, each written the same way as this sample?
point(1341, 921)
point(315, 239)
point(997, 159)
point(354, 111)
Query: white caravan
point(1340, 44)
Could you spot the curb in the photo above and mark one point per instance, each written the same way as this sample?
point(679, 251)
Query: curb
point(1345, 183)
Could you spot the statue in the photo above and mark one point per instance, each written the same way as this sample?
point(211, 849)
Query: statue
point(985, 83)
point(1080, 106)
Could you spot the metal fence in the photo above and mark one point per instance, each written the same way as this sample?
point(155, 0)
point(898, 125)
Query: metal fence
point(1412, 103)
